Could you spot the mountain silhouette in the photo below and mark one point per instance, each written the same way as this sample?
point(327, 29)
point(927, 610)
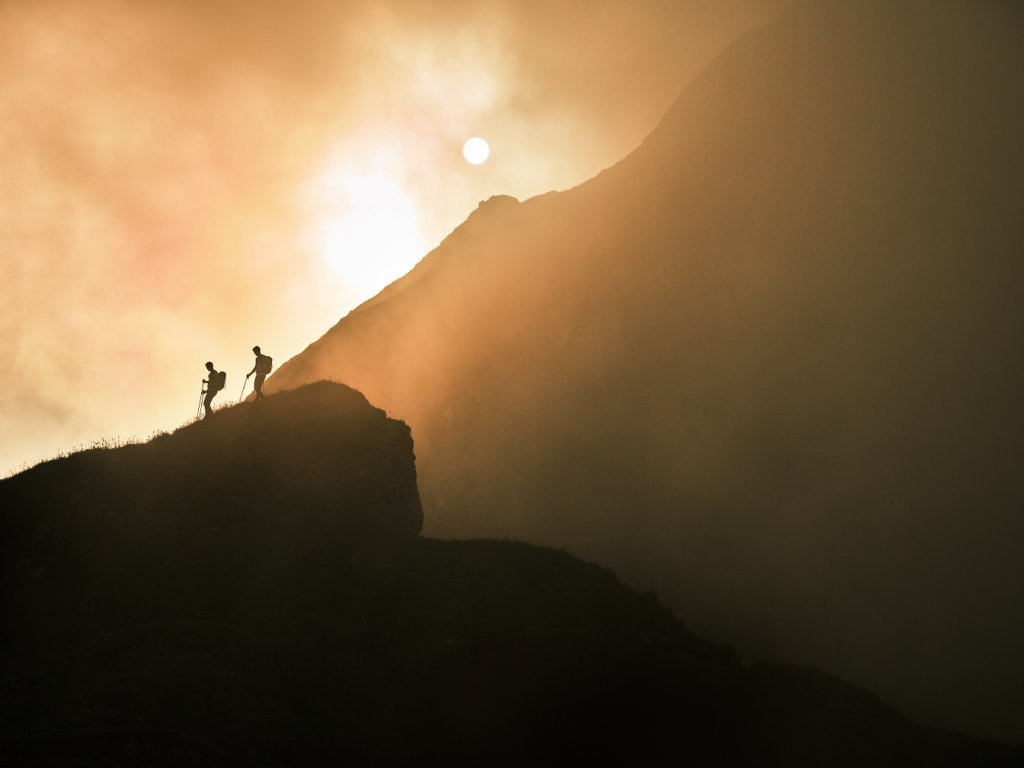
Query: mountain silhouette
point(251, 590)
point(768, 365)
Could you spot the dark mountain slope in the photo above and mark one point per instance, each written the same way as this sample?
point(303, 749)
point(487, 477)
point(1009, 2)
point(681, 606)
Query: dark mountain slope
point(768, 365)
point(156, 633)
point(314, 459)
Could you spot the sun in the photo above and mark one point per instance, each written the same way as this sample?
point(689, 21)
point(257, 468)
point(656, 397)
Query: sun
point(476, 150)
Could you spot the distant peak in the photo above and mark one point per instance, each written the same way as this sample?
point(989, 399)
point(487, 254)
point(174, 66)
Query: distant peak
point(495, 202)
point(497, 205)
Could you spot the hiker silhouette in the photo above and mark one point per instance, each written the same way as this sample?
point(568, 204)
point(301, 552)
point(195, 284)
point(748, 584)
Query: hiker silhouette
point(214, 384)
point(261, 368)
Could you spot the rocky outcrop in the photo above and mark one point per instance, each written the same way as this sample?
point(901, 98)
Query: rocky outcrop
point(308, 473)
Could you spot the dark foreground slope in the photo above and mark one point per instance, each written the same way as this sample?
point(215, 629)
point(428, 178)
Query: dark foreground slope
point(248, 591)
point(313, 465)
point(769, 365)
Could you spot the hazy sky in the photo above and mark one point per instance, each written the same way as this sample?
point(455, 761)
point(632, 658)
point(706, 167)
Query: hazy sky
point(183, 180)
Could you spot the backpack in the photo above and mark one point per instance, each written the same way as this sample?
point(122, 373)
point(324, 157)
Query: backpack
point(263, 364)
point(220, 380)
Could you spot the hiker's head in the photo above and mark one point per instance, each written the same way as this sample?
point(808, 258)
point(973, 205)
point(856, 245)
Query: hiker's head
point(256, 350)
point(209, 366)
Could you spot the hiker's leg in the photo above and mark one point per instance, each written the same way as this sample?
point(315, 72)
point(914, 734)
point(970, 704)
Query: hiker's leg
point(206, 403)
point(258, 385)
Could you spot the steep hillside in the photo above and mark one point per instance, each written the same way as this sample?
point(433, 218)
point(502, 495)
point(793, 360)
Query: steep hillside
point(77, 531)
point(291, 618)
point(767, 365)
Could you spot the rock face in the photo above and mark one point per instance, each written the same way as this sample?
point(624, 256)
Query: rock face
point(767, 365)
point(226, 494)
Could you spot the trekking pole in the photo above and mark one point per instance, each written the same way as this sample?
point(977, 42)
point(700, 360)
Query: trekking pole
point(199, 408)
point(243, 387)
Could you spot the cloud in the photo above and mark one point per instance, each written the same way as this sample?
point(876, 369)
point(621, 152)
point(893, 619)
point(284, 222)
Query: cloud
point(164, 166)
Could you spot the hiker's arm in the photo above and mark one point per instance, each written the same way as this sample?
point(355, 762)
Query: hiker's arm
point(250, 373)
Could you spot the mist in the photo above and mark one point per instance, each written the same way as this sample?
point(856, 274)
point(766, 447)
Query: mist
point(766, 366)
point(185, 180)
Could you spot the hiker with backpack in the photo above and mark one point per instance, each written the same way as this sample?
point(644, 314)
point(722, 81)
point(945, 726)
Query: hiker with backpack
point(214, 383)
point(262, 367)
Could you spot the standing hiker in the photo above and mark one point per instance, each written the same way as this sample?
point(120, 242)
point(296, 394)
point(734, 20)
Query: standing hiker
point(261, 368)
point(214, 383)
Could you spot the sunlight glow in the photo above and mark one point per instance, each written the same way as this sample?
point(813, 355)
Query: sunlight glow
point(370, 234)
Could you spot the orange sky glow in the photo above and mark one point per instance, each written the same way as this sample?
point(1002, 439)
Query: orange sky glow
point(182, 181)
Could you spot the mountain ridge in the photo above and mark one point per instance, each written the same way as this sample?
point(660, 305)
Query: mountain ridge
point(781, 333)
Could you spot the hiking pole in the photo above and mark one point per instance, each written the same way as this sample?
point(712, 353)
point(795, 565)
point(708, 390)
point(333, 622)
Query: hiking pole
point(243, 387)
point(202, 391)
